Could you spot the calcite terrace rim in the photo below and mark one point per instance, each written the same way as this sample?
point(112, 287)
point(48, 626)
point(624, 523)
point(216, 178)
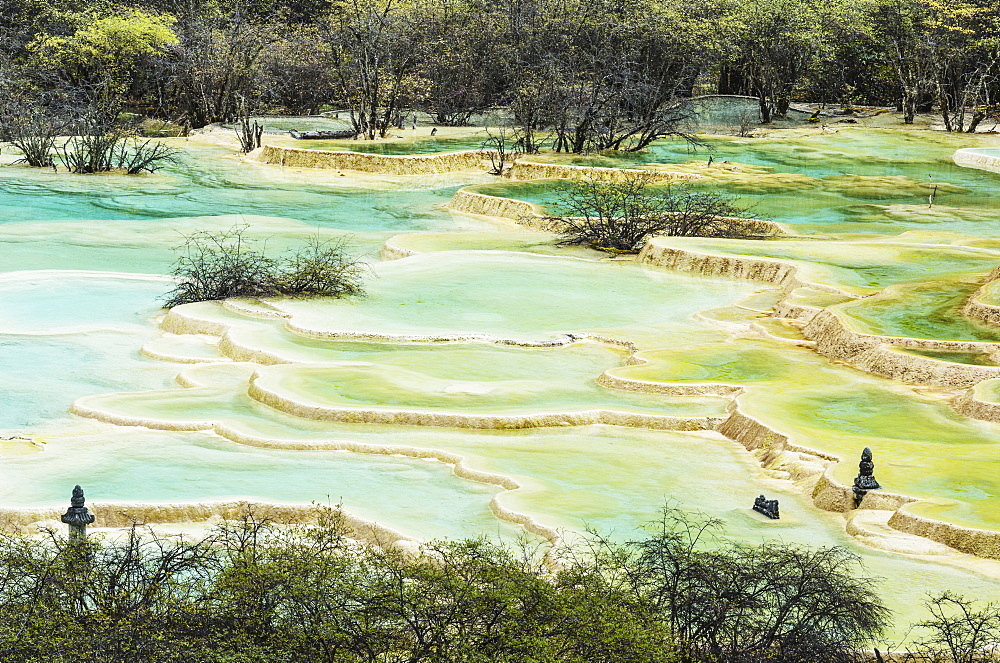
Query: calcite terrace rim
point(976, 541)
point(458, 463)
point(971, 157)
point(110, 514)
point(526, 214)
point(828, 494)
point(786, 275)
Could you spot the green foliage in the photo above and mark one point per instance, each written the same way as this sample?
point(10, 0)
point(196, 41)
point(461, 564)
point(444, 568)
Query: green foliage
point(103, 47)
point(256, 592)
point(217, 265)
point(621, 215)
point(604, 74)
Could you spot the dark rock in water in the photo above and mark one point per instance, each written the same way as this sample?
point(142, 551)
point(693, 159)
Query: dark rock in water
point(322, 135)
point(767, 507)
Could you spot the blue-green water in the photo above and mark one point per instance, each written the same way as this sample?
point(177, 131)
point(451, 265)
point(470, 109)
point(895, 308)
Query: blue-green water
point(66, 336)
point(204, 183)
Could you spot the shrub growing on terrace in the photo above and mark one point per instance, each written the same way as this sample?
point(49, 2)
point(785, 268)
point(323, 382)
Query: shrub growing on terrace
point(218, 265)
point(620, 216)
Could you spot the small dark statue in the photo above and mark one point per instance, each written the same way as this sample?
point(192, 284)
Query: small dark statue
point(865, 480)
point(77, 516)
point(767, 507)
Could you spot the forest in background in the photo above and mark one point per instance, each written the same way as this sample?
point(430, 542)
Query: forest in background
point(598, 74)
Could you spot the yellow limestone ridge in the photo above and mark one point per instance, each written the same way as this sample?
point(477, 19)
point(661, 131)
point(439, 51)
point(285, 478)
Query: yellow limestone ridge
point(980, 401)
point(658, 253)
point(833, 336)
point(372, 163)
point(524, 169)
point(285, 403)
point(892, 362)
point(521, 212)
point(982, 543)
point(391, 251)
point(976, 308)
point(117, 515)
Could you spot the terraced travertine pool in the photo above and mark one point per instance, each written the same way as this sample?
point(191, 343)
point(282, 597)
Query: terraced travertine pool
point(495, 374)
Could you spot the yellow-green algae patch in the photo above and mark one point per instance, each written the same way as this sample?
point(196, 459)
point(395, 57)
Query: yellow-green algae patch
point(925, 311)
point(923, 448)
point(384, 386)
point(861, 267)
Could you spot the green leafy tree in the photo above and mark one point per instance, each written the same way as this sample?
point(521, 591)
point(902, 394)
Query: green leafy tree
point(772, 44)
point(103, 48)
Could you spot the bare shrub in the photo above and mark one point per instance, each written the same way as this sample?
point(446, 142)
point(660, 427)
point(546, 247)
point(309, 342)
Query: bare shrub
point(960, 631)
point(32, 131)
point(102, 143)
point(620, 216)
point(749, 123)
point(218, 265)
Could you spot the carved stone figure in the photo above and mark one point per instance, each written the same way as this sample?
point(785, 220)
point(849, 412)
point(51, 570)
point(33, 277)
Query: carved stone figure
point(77, 516)
point(865, 480)
point(767, 507)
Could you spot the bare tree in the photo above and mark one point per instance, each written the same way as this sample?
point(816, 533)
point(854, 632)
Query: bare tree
point(502, 147)
point(374, 53)
point(960, 631)
point(249, 134)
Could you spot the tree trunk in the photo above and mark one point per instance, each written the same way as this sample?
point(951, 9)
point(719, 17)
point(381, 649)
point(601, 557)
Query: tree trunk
point(765, 110)
point(782, 107)
point(909, 105)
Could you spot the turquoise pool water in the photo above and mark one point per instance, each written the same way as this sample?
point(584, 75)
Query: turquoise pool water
point(67, 336)
point(204, 182)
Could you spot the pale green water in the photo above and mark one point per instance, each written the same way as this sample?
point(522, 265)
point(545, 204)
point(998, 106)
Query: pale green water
point(147, 466)
point(922, 447)
point(516, 295)
point(858, 180)
point(422, 145)
point(930, 310)
point(63, 338)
